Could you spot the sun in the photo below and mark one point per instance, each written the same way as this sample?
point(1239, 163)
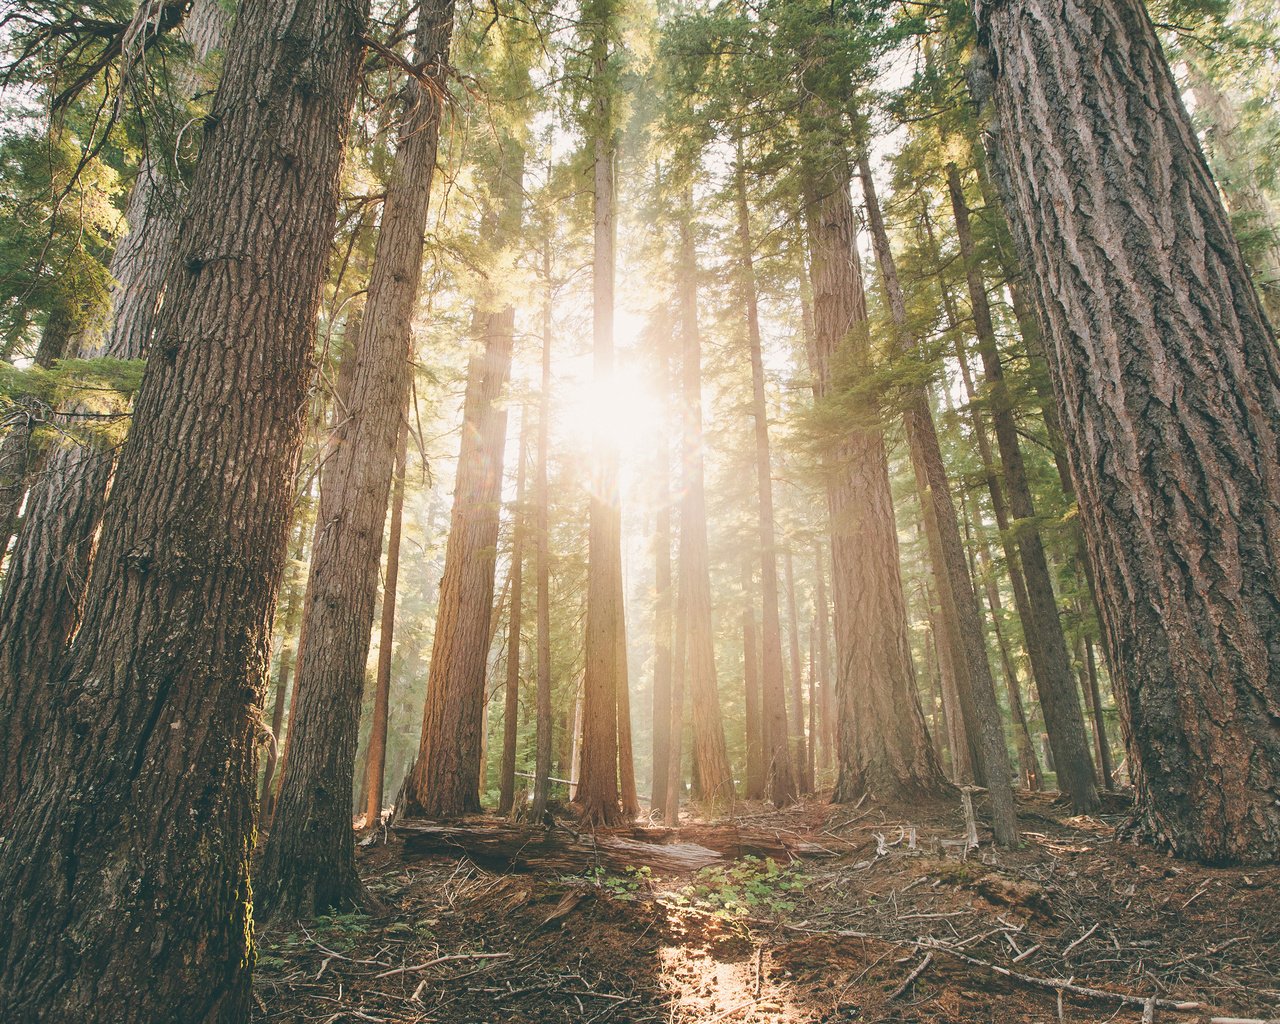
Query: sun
point(620, 409)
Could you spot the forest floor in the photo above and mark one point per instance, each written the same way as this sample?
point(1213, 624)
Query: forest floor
point(875, 927)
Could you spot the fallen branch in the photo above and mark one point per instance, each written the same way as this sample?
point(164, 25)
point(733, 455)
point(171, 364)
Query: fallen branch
point(906, 984)
point(440, 960)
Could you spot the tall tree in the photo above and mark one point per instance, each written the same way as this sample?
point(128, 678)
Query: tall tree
point(1046, 642)
point(542, 559)
point(308, 864)
point(780, 770)
point(711, 759)
point(882, 744)
point(959, 602)
point(376, 762)
point(163, 687)
point(511, 698)
point(663, 622)
point(48, 570)
point(1168, 384)
point(598, 783)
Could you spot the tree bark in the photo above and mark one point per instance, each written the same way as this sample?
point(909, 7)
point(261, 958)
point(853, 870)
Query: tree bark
point(824, 653)
point(882, 744)
point(779, 770)
point(1168, 384)
point(48, 571)
point(376, 761)
point(308, 863)
point(1046, 644)
point(135, 833)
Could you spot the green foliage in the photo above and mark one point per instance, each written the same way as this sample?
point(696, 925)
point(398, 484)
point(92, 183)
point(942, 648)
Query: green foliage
point(744, 888)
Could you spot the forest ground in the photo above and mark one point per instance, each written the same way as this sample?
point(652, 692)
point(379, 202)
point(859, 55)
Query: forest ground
point(837, 937)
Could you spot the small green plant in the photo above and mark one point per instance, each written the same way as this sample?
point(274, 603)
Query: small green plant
point(623, 887)
point(747, 887)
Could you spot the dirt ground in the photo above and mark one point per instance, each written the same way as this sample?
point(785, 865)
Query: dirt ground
point(893, 920)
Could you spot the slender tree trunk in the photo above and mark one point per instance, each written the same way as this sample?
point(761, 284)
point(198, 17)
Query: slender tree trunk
point(954, 580)
point(598, 784)
point(710, 755)
point(780, 771)
point(511, 697)
point(795, 715)
point(308, 863)
point(628, 794)
point(824, 653)
point(163, 687)
point(1168, 384)
point(1046, 644)
point(542, 561)
point(663, 623)
point(957, 740)
point(1099, 722)
point(755, 782)
point(292, 608)
point(882, 744)
point(376, 761)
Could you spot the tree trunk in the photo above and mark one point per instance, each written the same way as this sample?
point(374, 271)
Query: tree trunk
point(135, 833)
point(824, 653)
point(292, 608)
point(780, 770)
point(663, 623)
point(1168, 384)
point(961, 601)
point(709, 753)
point(795, 714)
point(598, 783)
point(1046, 644)
point(542, 561)
point(376, 762)
point(882, 744)
point(48, 571)
point(1099, 723)
point(511, 696)
point(308, 863)
point(755, 786)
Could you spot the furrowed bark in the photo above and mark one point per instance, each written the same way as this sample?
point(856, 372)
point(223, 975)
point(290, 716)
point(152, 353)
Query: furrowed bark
point(136, 832)
point(1168, 385)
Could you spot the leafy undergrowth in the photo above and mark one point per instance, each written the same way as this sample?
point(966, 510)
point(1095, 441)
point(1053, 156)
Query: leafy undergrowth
point(899, 923)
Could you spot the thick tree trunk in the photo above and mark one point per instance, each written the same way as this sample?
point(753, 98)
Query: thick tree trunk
point(135, 833)
point(598, 783)
point(882, 744)
point(511, 696)
point(308, 864)
point(955, 586)
point(1168, 384)
point(1046, 644)
point(711, 758)
point(780, 770)
point(376, 761)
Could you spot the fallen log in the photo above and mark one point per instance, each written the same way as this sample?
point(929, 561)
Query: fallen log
point(501, 844)
point(735, 842)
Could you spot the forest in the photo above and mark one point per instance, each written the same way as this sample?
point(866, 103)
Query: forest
point(684, 511)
